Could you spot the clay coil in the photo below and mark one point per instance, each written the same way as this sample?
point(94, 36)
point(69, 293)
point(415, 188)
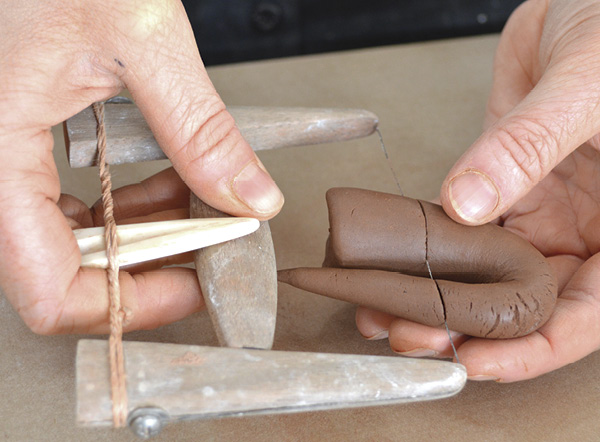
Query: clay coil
point(489, 282)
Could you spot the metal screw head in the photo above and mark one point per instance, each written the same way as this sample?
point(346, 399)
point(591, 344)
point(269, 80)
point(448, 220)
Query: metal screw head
point(147, 422)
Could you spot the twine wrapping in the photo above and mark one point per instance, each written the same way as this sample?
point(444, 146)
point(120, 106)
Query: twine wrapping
point(115, 343)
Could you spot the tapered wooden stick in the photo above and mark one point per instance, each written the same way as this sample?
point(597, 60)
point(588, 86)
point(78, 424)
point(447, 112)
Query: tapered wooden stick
point(198, 382)
point(239, 284)
point(144, 242)
point(129, 139)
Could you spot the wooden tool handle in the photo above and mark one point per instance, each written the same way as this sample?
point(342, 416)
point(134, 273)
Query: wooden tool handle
point(187, 382)
point(130, 140)
point(239, 284)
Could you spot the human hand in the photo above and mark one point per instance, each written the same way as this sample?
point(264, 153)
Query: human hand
point(528, 173)
point(56, 58)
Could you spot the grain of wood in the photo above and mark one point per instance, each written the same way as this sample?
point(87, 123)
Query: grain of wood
point(239, 284)
point(130, 139)
point(200, 382)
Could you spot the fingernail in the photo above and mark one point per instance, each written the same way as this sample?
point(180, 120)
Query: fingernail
point(473, 195)
point(256, 189)
point(383, 334)
point(483, 377)
point(419, 353)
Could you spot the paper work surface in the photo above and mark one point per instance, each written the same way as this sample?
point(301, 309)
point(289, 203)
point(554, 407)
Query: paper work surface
point(430, 98)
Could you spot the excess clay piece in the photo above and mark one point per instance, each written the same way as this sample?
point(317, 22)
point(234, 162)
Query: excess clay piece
point(488, 281)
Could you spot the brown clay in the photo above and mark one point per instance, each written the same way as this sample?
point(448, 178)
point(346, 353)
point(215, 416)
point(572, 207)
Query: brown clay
point(488, 281)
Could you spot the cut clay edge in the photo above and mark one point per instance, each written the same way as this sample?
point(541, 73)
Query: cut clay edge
point(431, 275)
point(506, 329)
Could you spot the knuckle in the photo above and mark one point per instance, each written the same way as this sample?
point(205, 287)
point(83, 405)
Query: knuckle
point(210, 141)
point(530, 145)
point(44, 314)
point(44, 323)
point(41, 330)
point(150, 315)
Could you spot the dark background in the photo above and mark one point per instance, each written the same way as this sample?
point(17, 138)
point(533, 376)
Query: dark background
point(230, 31)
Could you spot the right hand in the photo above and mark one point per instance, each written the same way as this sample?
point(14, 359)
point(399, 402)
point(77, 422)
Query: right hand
point(537, 173)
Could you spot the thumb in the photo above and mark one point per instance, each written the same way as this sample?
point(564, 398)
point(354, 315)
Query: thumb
point(523, 146)
point(160, 65)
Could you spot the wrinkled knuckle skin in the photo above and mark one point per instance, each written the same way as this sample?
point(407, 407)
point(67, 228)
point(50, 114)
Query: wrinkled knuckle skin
point(43, 325)
point(211, 142)
point(530, 146)
point(46, 318)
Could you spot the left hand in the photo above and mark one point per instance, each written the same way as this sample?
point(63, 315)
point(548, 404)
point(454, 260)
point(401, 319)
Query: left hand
point(56, 58)
point(538, 183)
point(161, 296)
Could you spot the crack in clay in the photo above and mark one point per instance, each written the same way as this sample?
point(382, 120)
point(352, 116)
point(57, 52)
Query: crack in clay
point(520, 298)
point(517, 319)
point(439, 291)
point(495, 326)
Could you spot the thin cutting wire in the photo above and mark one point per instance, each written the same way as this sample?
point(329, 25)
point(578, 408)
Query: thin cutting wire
point(390, 165)
point(389, 162)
